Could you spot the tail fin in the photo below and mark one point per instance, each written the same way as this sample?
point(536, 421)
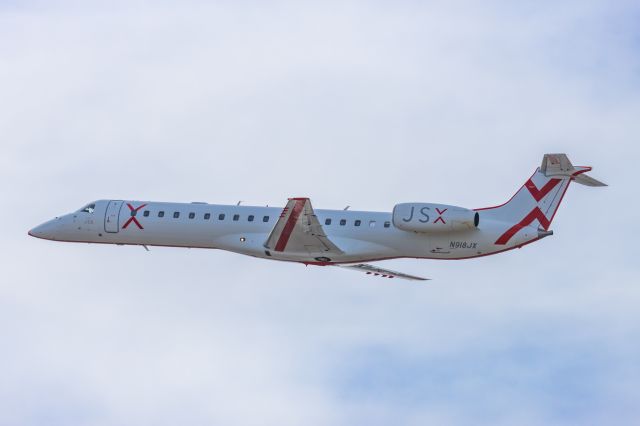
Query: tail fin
point(539, 198)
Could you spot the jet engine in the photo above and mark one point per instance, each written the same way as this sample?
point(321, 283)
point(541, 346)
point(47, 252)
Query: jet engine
point(426, 217)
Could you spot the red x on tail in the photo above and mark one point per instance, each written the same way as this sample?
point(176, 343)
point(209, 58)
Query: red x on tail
point(535, 214)
point(133, 219)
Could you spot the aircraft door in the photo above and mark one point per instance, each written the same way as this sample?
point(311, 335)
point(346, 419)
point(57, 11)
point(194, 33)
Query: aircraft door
point(112, 216)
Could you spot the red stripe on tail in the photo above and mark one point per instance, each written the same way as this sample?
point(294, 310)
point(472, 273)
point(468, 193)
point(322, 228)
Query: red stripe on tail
point(539, 194)
point(533, 215)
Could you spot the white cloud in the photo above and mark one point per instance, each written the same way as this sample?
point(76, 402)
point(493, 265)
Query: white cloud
point(350, 103)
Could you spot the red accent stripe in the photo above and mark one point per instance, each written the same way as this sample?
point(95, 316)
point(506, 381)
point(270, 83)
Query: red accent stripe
point(509, 200)
point(585, 170)
point(539, 194)
point(533, 215)
point(378, 259)
point(291, 223)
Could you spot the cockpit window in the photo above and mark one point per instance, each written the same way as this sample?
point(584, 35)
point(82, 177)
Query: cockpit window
point(89, 208)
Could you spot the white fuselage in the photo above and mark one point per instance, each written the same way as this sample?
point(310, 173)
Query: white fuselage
point(362, 235)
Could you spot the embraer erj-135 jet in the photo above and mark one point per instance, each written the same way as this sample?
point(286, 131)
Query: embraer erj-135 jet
point(298, 233)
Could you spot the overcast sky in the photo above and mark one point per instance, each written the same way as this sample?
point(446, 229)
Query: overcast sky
point(349, 103)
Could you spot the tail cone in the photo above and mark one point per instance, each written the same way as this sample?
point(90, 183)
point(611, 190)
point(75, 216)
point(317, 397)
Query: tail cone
point(542, 233)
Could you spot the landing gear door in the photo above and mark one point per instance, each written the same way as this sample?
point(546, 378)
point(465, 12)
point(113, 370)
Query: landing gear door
point(112, 216)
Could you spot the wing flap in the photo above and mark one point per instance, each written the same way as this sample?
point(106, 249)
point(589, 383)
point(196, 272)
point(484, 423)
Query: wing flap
point(381, 272)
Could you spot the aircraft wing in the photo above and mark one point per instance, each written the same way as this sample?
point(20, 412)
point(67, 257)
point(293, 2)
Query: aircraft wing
point(380, 272)
point(299, 231)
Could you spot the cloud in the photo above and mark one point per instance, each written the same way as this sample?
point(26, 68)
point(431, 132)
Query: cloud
point(366, 104)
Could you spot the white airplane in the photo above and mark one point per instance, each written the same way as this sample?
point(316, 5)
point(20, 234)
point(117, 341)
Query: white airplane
point(298, 233)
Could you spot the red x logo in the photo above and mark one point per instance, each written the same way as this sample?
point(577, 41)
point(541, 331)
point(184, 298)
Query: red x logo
point(535, 214)
point(133, 219)
point(440, 212)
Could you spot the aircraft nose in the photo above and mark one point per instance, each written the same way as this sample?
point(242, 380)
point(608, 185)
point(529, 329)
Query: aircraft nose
point(46, 231)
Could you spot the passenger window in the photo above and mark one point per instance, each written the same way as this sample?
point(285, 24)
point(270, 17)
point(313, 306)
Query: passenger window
point(343, 222)
point(221, 216)
point(250, 218)
point(146, 213)
point(192, 215)
point(236, 217)
point(372, 224)
point(387, 224)
point(207, 216)
point(176, 215)
point(160, 214)
point(327, 221)
point(358, 222)
point(265, 219)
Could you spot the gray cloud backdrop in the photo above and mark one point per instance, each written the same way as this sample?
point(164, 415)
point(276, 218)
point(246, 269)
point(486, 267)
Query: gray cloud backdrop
point(350, 103)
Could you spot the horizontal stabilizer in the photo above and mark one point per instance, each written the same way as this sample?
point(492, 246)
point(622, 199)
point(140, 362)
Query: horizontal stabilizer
point(559, 165)
point(380, 272)
point(588, 180)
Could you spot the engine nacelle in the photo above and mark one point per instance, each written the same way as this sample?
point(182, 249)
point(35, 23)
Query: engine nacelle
point(426, 217)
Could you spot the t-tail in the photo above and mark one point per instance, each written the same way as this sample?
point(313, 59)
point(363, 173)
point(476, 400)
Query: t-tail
point(534, 206)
